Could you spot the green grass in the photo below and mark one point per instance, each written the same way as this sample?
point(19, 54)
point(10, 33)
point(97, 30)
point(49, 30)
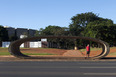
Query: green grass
point(112, 47)
point(39, 48)
point(4, 51)
point(113, 53)
point(95, 49)
point(7, 53)
point(38, 54)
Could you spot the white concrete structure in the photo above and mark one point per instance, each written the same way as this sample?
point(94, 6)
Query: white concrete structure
point(23, 36)
point(35, 44)
point(5, 44)
point(31, 44)
point(22, 45)
point(44, 39)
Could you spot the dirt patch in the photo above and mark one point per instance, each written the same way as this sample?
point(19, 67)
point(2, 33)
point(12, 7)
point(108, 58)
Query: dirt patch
point(62, 51)
point(38, 50)
point(74, 53)
point(93, 53)
point(112, 50)
point(59, 54)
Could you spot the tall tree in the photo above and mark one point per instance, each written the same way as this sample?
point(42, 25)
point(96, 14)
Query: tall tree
point(13, 38)
point(3, 34)
point(80, 21)
point(57, 31)
point(91, 25)
point(101, 29)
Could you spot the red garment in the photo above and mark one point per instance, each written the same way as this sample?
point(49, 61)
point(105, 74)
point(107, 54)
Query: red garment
point(88, 48)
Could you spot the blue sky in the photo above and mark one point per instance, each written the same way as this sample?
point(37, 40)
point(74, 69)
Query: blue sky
point(36, 14)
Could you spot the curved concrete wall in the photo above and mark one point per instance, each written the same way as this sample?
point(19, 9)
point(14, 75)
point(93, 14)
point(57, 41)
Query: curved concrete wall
point(14, 47)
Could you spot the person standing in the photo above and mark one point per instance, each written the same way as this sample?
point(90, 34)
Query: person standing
point(87, 50)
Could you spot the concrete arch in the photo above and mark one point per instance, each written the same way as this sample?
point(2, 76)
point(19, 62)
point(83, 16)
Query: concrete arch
point(14, 47)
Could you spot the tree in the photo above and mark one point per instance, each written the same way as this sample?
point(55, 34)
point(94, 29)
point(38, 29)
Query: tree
point(3, 34)
point(93, 28)
point(91, 25)
point(80, 21)
point(78, 24)
point(53, 30)
point(36, 33)
point(13, 38)
point(101, 29)
point(84, 18)
point(57, 31)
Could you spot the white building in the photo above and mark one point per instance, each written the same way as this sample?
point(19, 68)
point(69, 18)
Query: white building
point(35, 44)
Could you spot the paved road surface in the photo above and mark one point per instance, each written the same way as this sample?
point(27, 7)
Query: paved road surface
point(58, 69)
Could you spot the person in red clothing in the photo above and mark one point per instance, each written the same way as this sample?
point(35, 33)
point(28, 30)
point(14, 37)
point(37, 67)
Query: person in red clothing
point(87, 50)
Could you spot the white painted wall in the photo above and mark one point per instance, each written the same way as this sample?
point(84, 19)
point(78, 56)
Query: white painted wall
point(5, 44)
point(35, 44)
point(22, 45)
point(44, 39)
point(32, 44)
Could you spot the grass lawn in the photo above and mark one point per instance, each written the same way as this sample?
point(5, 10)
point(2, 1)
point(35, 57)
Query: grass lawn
point(4, 51)
point(97, 49)
point(113, 53)
point(38, 54)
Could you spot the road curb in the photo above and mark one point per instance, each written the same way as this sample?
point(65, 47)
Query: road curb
point(57, 58)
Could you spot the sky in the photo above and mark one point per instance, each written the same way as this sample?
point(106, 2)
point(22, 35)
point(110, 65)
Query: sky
point(36, 14)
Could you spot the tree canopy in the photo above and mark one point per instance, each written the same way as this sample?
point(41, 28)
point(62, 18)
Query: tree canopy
point(54, 30)
point(83, 19)
point(3, 34)
point(85, 24)
point(91, 25)
point(80, 21)
point(57, 31)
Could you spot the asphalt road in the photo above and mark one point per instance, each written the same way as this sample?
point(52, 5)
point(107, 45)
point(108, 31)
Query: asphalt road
point(58, 69)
